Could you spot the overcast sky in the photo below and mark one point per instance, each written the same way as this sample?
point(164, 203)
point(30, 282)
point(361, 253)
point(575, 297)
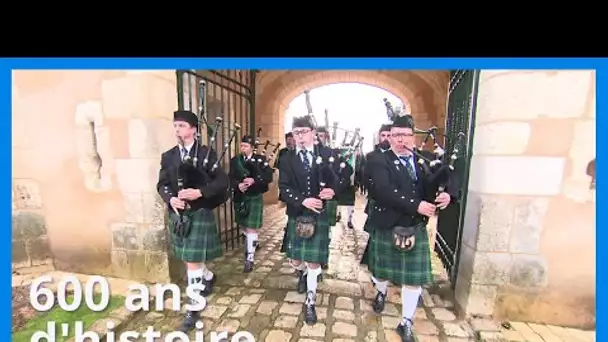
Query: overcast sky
point(351, 104)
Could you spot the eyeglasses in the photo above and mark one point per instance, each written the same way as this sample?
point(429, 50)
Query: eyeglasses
point(401, 135)
point(301, 132)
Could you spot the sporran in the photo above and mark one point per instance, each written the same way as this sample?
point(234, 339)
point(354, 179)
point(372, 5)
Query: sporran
point(182, 225)
point(242, 209)
point(306, 226)
point(404, 238)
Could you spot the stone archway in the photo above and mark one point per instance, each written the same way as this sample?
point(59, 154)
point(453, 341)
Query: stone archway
point(424, 92)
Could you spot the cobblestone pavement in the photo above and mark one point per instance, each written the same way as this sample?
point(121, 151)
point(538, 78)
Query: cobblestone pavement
point(266, 304)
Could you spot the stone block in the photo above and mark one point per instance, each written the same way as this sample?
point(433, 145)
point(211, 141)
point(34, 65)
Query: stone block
point(522, 175)
point(28, 225)
point(528, 217)
point(148, 138)
point(528, 271)
point(137, 175)
point(501, 138)
point(526, 95)
point(19, 257)
point(125, 236)
point(140, 265)
point(155, 240)
point(139, 96)
point(491, 268)
point(495, 216)
point(39, 251)
point(27, 194)
point(481, 300)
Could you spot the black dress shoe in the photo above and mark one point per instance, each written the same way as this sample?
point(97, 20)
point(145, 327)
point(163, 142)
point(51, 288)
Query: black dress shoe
point(190, 320)
point(338, 218)
point(379, 301)
point(208, 286)
point(405, 331)
point(302, 287)
point(350, 225)
point(248, 266)
point(310, 313)
point(324, 266)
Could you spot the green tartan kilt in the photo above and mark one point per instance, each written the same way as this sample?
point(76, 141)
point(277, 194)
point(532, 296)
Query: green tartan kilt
point(314, 249)
point(402, 268)
point(203, 243)
point(347, 197)
point(255, 217)
point(332, 212)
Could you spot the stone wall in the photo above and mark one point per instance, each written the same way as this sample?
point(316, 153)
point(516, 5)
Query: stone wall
point(528, 245)
point(86, 149)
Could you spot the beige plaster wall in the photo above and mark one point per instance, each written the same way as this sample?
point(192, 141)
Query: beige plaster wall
point(86, 149)
point(528, 250)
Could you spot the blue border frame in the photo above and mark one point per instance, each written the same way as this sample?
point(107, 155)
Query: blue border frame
point(7, 65)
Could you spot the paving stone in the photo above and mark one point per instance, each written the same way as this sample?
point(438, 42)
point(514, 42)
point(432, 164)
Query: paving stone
point(484, 336)
point(317, 330)
point(286, 270)
point(344, 315)
point(372, 336)
point(239, 311)
point(456, 330)
point(228, 325)
point(345, 303)
point(250, 299)
point(294, 297)
point(365, 305)
point(484, 324)
point(291, 309)
point(278, 336)
point(286, 322)
point(425, 327)
point(512, 335)
point(344, 329)
point(527, 332)
point(268, 263)
point(224, 301)
point(234, 291)
point(266, 307)
point(214, 311)
point(443, 314)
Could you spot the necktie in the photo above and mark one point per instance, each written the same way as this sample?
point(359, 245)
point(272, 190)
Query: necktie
point(408, 166)
point(184, 153)
point(305, 161)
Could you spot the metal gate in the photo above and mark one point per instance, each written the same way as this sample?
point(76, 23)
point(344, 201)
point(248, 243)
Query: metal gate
point(229, 94)
point(462, 99)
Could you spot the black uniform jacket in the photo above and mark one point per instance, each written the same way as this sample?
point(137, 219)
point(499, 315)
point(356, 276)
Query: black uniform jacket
point(396, 195)
point(295, 184)
point(167, 177)
point(253, 168)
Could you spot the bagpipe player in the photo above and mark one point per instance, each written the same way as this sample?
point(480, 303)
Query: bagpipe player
point(250, 177)
point(382, 146)
point(289, 145)
point(399, 248)
point(346, 198)
point(199, 240)
point(308, 176)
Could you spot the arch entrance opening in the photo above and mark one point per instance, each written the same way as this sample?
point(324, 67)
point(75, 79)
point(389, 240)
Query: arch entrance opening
point(348, 106)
